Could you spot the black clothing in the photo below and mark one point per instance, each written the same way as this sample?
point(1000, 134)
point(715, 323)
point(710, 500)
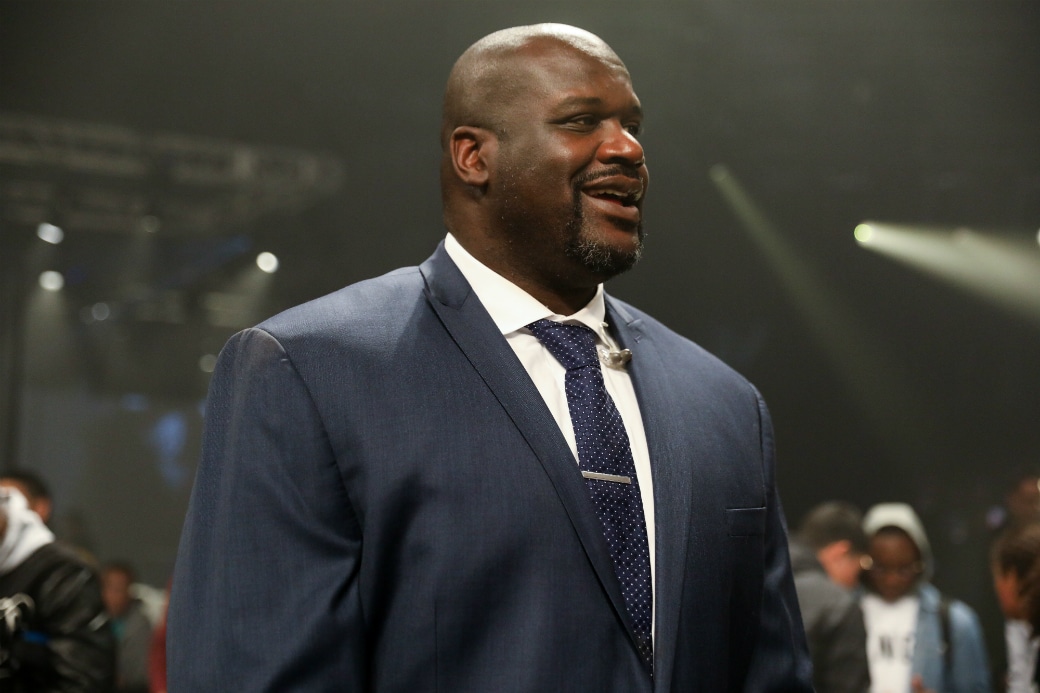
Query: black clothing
point(833, 625)
point(64, 644)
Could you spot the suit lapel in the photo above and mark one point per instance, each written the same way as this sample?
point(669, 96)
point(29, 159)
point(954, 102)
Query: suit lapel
point(671, 480)
point(476, 335)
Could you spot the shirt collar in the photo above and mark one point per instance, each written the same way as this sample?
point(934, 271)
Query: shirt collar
point(511, 307)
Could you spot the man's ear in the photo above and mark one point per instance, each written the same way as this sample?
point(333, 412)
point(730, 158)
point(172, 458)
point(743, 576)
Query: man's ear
point(473, 151)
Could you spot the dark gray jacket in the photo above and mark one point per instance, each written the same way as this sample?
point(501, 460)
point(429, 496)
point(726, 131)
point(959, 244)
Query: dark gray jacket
point(833, 625)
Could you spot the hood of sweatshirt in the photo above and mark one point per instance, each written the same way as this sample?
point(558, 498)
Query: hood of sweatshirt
point(902, 516)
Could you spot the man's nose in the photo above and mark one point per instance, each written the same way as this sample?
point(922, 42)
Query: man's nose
point(621, 146)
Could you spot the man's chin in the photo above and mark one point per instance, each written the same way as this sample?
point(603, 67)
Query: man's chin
point(606, 259)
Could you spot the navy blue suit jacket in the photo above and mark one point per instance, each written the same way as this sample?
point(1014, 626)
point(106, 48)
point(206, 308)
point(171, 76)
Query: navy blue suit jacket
point(385, 503)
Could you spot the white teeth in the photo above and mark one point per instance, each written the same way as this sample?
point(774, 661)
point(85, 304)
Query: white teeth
point(621, 195)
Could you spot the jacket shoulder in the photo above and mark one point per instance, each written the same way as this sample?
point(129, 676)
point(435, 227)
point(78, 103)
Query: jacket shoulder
point(963, 617)
point(50, 563)
point(372, 300)
point(686, 352)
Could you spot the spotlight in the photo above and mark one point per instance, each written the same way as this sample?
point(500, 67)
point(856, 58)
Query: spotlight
point(863, 233)
point(52, 281)
point(984, 263)
point(267, 262)
point(50, 233)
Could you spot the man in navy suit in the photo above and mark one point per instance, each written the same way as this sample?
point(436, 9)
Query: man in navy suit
point(393, 495)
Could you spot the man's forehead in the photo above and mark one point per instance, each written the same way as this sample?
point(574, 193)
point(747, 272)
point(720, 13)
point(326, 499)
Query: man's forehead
point(561, 69)
point(569, 79)
point(552, 53)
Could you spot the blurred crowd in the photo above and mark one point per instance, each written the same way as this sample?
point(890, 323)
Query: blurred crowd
point(874, 620)
point(68, 622)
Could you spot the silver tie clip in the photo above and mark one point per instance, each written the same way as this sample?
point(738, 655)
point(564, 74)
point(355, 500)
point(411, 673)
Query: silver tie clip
point(615, 359)
point(616, 478)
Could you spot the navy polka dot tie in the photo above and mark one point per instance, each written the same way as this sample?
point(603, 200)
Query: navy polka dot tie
point(603, 449)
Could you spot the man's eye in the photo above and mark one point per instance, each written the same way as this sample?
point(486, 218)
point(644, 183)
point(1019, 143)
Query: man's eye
point(585, 121)
point(634, 129)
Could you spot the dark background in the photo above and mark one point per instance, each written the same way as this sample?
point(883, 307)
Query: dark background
point(884, 383)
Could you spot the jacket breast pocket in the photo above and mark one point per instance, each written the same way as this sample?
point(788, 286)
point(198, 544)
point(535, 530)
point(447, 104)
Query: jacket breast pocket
point(745, 522)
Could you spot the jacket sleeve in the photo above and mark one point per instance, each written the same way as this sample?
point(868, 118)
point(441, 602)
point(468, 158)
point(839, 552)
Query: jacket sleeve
point(80, 645)
point(845, 669)
point(780, 661)
point(969, 662)
point(265, 591)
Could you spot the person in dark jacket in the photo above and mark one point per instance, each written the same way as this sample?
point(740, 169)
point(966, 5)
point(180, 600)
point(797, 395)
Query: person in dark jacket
point(826, 556)
point(54, 634)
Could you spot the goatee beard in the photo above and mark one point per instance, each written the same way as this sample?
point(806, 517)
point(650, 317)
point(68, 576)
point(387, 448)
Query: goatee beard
point(594, 255)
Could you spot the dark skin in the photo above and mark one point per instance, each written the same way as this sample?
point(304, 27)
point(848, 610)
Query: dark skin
point(547, 187)
point(895, 567)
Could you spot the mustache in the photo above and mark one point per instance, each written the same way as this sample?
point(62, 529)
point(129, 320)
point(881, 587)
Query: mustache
point(609, 172)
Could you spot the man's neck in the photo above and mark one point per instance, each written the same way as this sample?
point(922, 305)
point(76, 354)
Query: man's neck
point(560, 300)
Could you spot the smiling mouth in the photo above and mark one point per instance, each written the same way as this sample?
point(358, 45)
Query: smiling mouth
point(622, 196)
point(617, 201)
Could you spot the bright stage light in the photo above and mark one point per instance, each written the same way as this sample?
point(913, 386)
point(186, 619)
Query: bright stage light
point(50, 233)
point(863, 233)
point(267, 262)
point(52, 281)
point(999, 268)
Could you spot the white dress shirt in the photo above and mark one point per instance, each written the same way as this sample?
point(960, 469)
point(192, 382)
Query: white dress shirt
point(512, 309)
point(1021, 656)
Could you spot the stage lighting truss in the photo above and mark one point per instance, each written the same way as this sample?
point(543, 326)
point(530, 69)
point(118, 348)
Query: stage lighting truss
point(107, 178)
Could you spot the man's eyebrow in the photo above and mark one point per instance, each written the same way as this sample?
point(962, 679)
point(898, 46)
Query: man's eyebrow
point(590, 102)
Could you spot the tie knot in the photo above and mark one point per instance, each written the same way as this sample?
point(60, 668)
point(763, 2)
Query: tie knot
point(573, 346)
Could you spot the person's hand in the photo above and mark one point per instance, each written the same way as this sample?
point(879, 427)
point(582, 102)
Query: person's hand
point(917, 685)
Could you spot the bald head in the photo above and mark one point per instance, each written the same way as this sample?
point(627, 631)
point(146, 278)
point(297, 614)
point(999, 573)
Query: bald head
point(494, 72)
point(542, 176)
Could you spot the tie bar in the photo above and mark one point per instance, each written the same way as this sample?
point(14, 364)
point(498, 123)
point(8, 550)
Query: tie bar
point(616, 478)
